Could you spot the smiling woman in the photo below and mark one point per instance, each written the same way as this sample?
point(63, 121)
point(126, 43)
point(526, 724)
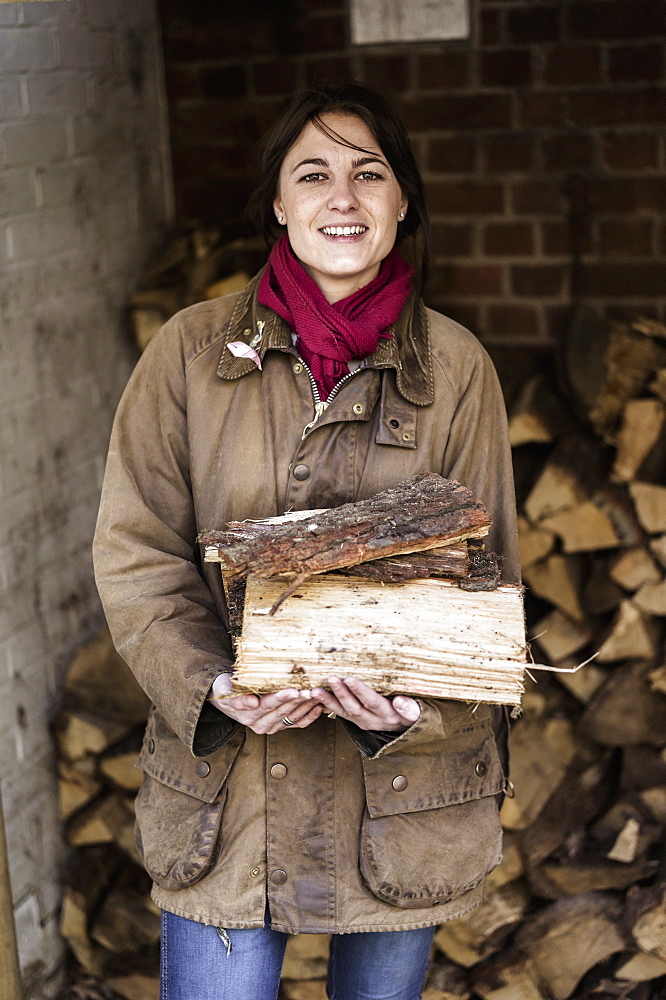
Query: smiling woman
point(336, 810)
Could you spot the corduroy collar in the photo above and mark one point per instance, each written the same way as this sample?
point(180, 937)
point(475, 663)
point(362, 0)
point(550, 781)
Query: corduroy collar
point(408, 350)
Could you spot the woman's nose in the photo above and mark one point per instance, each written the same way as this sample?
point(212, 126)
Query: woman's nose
point(342, 195)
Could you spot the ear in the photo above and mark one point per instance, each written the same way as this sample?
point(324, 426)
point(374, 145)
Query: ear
point(279, 211)
point(404, 205)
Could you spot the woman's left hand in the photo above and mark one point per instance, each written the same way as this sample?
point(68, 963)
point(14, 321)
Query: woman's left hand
point(356, 701)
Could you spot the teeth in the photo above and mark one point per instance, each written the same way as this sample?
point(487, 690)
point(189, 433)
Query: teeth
point(344, 230)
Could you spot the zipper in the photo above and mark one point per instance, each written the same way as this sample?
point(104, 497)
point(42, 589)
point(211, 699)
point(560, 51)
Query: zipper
point(320, 405)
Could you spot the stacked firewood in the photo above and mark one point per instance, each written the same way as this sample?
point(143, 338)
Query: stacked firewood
point(196, 264)
point(577, 908)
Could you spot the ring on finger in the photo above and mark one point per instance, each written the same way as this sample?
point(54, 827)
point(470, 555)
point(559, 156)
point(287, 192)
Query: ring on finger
point(286, 721)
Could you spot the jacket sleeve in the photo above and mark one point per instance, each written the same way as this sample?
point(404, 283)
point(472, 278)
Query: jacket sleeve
point(160, 611)
point(478, 455)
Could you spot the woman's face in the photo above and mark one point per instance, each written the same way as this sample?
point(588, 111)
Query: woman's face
point(341, 207)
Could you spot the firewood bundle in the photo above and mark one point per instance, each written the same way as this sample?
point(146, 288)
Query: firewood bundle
point(413, 614)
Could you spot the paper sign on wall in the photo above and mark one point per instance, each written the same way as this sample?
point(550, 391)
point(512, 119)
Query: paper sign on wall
point(376, 21)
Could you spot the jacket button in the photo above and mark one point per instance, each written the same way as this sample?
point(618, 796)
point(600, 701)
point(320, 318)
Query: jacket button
point(357, 408)
point(203, 768)
point(278, 877)
point(481, 768)
point(399, 783)
point(151, 745)
point(255, 872)
point(278, 771)
point(301, 472)
point(394, 424)
point(406, 436)
point(298, 368)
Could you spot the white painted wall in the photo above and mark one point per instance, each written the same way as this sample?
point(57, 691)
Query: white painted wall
point(85, 197)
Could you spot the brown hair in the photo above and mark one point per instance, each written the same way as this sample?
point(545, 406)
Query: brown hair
point(345, 99)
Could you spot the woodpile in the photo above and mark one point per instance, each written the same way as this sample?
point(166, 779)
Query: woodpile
point(197, 264)
point(577, 908)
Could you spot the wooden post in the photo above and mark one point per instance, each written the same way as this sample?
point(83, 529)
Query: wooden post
point(10, 977)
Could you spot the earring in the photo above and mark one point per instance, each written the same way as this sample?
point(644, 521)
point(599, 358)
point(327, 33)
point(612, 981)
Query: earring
point(280, 219)
point(402, 215)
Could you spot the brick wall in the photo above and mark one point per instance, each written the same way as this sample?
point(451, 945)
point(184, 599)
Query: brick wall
point(541, 141)
point(84, 197)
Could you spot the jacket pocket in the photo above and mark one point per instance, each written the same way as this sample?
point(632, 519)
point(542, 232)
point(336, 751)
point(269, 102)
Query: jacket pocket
point(431, 829)
point(179, 805)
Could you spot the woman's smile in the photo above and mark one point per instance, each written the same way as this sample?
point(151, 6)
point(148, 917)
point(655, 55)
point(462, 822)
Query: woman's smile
point(341, 204)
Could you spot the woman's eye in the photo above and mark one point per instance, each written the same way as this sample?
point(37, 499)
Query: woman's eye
point(311, 178)
point(370, 175)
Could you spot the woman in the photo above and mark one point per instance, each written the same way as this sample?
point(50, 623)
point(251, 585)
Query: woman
point(324, 382)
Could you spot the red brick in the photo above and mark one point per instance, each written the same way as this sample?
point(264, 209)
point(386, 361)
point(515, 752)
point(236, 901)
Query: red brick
point(457, 111)
point(322, 34)
point(385, 73)
point(490, 28)
point(568, 65)
point(182, 82)
point(626, 238)
point(276, 76)
point(511, 321)
point(201, 42)
point(224, 81)
point(508, 239)
point(636, 62)
point(216, 120)
point(609, 19)
point(328, 70)
point(537, 198)
point(451, 239)
point(509, 154)
point(534, 23)
point(224, 204)
point(610, 107)
point(569, 151)
point(506, 68)
point(536, 280)
point(631, 151)
point(558, 239)
point(464, 197)
point(626, 280)
point(456, 155)
point(472, 280)
point(219, 162)
point(627, 195)
point(444, 71)
point(540, 109)
point(465, 313)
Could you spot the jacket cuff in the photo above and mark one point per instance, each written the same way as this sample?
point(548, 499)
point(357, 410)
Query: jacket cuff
point(212, 731)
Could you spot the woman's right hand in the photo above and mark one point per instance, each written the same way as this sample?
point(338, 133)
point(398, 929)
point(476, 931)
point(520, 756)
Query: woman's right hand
point(264, 713)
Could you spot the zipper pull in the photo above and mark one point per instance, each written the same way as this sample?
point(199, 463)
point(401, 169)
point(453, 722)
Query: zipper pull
point(319, 409)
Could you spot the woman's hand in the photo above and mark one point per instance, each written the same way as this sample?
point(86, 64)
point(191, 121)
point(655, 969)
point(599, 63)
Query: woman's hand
point(264, 713)
point(356, 701)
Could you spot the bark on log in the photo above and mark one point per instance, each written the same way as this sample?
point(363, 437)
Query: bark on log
point(424, 512)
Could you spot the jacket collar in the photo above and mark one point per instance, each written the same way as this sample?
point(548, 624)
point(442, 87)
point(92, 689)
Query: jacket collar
point(408, 350)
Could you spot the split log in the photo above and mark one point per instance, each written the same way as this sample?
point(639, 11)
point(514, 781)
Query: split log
point(76, 788)
point(557, 947)
point(81, 733)
point(126, 922)
point(641, 429)
point(570, 876)
point(633, 568)
point(651, 598)
point(658, 385)
point(100, 822)
point(585, 528)
point(412, 637)
point(650, 502)
point(658, 548)
point(423, 512)
point(640, 968)
point(559, 637)
point(541, 751)
point(535, 543)
point(305, 990)
point(306, 956)
point(136, 986)
point(557, 489)
point(631, 635)
point(625, 711)
point(558, 579)
point(538, 415)
point(600, 594)
point(484, 930)
point(100, 682)
point(581, 683)
point(121, 770)
point(657, 679)
point(89, 873)
point(646, 918)
point(446, 981)
point(450, 562)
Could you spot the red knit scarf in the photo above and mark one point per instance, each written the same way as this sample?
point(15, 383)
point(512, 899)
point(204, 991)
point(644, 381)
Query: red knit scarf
point(330, 335)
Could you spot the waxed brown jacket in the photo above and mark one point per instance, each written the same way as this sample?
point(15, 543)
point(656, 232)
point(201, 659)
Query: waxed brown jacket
point(313, 819)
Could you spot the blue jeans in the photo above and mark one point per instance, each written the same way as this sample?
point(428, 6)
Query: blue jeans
point(198, 964)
